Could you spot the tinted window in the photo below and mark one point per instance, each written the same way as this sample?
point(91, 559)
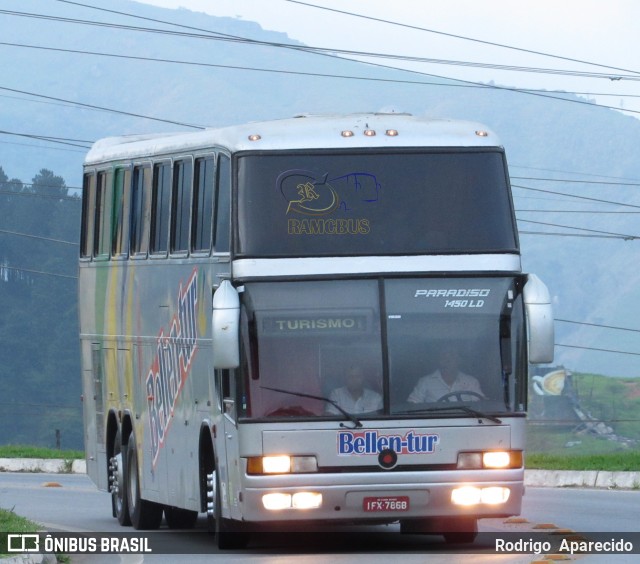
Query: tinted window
point(161, 202)
point(202, 220)
point(223, 204)
point(102, 232)
point(182, 186)
point(439, 327)
point(140, 210)
point(392, 203)
point(304, 337)
point(121, 185)
point(88, 210)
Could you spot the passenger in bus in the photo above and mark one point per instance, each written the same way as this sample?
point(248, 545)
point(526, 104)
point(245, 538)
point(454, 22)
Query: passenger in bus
point(354, 397)
point(447, 383)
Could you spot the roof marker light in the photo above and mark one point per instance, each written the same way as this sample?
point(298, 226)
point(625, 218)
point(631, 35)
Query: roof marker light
point(369, 132)
point(347, 133)
point(255, 137)
point(392, 132)
point(481, 133)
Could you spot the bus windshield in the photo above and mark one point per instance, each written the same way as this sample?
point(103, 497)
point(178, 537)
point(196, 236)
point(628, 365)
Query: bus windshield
point(309, 345)
point(374, 203)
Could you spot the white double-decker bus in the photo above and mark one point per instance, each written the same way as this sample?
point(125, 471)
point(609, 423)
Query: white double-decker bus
point(317, 319)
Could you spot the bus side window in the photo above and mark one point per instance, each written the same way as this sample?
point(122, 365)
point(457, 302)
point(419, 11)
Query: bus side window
point(140, 210)
point(223, 205)
point(160, 208)
point(181, 205)
point(88, 214)
point(121, 191)
point(102, 221)
point(202, 219)
point(225, 384)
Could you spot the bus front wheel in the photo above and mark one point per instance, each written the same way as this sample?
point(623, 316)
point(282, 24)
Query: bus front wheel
point(228, 533)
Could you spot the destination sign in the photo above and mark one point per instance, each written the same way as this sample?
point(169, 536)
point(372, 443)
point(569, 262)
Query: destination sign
point(315, 324)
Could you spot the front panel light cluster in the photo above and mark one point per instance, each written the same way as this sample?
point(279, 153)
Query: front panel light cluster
point(298, 500)
point(281, 464)
point(490, 459)
point(472, 495)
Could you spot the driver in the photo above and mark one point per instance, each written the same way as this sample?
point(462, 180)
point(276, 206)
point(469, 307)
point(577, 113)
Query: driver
point(446, 380)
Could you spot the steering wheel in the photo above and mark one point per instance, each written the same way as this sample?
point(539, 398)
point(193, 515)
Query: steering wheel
point(458, 396)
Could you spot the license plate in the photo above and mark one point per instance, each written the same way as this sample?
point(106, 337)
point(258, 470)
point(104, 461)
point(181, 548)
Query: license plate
point(373, 504)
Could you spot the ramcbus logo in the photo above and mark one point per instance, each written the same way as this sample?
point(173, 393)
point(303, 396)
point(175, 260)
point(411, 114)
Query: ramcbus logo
point(172, 364)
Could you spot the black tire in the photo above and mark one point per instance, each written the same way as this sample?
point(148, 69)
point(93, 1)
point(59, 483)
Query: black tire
point(180, 518)
point(456, 530)
point(229, 534)
point(461, 537)
point(118, 484)
point(144, 514)
point(463, 531)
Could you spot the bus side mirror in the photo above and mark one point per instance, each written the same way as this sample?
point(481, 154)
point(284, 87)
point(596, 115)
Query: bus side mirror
point(537, 302)
point(225, 327)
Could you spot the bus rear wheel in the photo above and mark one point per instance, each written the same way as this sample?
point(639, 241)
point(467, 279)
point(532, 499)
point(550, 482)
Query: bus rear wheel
point(144, 514)
point(117, 483)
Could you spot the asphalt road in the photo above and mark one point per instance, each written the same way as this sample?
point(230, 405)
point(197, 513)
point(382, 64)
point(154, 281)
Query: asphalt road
point(71, 503)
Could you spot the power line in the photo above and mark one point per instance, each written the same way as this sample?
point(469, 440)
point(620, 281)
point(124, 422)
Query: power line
point(584, 235)
point(596, 349)
point(538, 93)
point(40, 195)
point(512, 166)
point(101, 108)
point(60, 140)
point(574, 196)
point(73, 243)
point(598, 325)
point(569, 181)
point(18, 269)
point(491, 43)
point(578, 211)
point(608, 233)
point(42, 147)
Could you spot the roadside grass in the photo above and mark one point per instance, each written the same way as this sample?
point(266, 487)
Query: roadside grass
point(25, 451)
point(628, 461)
point(12, 523)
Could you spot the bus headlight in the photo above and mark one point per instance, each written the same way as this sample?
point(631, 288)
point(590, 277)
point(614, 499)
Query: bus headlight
point(276, 464)
point(281, 464)
point(472, 495)
point(498, 459)
point(490, 459)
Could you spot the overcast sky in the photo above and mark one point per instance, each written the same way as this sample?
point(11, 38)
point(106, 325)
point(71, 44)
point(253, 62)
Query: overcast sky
point(596, 31)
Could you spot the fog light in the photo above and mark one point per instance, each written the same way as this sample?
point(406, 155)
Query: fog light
point(495, 495)
point(276, 501)
point(306, 500)
point(466, 495)
point(471, 495)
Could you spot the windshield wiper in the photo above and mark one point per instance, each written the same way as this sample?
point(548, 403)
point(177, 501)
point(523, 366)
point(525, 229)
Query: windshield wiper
point(465, 408)
point(356, 422)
